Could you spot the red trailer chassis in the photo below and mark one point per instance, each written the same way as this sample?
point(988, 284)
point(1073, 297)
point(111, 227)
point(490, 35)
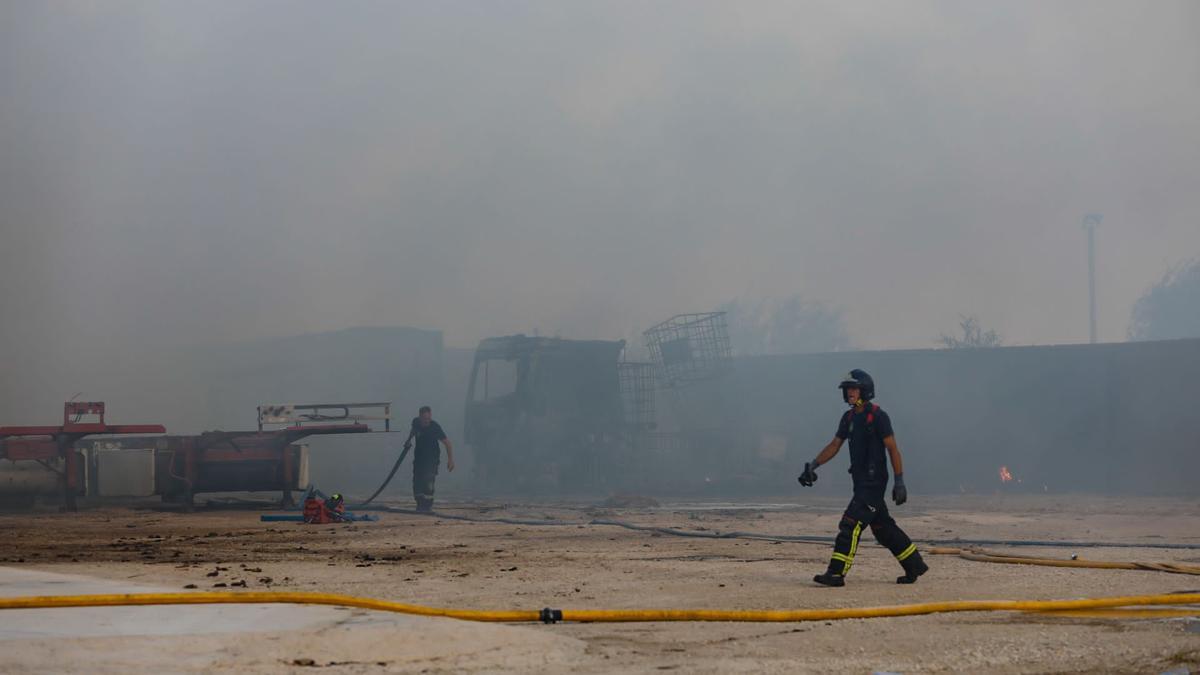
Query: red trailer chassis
point(235, 461)
point(44, 444)
point(214, 461)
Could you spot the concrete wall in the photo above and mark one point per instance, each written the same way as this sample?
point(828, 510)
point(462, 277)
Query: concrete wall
point(1111, 417)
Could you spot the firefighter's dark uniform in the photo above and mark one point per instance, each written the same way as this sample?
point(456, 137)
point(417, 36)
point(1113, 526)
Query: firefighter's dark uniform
point(427, 455)
point(865, 428)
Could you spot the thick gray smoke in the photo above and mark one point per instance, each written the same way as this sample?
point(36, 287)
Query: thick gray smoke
point(175, 175)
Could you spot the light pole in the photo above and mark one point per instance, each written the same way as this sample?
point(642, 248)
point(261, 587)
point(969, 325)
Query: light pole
point(1090, 221)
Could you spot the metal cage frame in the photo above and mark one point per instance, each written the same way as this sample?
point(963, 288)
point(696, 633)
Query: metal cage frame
point(637, 393)
point(689, 348)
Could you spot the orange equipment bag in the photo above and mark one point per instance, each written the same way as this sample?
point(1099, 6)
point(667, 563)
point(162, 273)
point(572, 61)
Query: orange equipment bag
point(315, 511)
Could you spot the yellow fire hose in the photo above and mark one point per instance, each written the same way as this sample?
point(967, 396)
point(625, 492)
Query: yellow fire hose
point(1125, 613)
point(997, 557)
point(601, 615)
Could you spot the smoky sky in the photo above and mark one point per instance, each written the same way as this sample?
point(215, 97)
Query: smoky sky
point(176, 173)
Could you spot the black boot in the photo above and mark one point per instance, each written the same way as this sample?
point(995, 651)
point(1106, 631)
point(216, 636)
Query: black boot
point(424, 505)
point(830, 579)
point(913, 568)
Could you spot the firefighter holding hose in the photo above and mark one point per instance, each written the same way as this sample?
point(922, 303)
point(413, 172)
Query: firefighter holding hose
point(869, 430)
point(427, 433)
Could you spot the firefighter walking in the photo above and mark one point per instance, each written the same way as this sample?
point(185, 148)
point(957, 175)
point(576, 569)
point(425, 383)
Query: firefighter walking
point(869, 430)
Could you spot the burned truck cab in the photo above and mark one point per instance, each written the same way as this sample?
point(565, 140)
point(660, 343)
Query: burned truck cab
point(544, 414)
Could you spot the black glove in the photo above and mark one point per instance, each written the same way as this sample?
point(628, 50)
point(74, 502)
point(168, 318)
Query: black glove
point(408, 445)
point(810, 474)
point(899, 493)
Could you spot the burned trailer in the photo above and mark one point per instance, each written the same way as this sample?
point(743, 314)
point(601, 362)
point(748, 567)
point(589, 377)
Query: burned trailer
point(546, 414)
point(55, 449)
point(265, 459)
point(177, 468)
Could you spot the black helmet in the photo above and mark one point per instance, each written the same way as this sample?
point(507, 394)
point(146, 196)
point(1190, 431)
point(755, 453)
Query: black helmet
point(858, 378)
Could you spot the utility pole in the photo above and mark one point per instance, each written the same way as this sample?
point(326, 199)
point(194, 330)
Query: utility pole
point(1090, 221)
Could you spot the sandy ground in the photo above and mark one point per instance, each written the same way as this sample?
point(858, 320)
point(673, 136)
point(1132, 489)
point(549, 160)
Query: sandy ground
point(245, 637)
point(437, 561)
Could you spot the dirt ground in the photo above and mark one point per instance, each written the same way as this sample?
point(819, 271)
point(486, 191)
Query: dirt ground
point(438, 561)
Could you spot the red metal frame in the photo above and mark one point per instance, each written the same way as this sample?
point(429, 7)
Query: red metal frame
point(228, 447)
point(59, 441)
point(73, 411)
point(189, 454)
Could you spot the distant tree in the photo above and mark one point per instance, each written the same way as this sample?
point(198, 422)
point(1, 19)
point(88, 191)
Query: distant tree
point(972, 335)
point(791, 325)
point(1171, 308)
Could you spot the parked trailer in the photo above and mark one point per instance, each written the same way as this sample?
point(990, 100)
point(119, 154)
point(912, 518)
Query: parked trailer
point(177, 468)
point(54, 446)
point(173, 467)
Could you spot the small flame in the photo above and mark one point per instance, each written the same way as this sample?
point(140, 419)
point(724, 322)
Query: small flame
point(1005, 475)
